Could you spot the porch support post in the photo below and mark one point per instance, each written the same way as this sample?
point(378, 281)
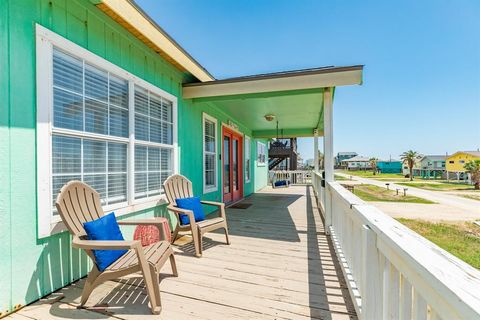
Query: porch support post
point(328, 154)
point(315, 150)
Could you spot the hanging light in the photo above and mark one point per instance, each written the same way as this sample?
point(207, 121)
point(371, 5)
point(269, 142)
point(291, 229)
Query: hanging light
point(269, 117)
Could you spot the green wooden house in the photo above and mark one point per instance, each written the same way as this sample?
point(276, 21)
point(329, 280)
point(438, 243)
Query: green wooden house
point(96, 91)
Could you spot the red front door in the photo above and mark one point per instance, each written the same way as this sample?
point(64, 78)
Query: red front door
point(232, 166)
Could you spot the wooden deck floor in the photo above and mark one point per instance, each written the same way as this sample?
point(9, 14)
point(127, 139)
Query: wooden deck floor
point(280, 265)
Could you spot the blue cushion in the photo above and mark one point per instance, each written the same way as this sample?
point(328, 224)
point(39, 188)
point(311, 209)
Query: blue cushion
point(105, 228)
point(193, 204)
point(280, 183)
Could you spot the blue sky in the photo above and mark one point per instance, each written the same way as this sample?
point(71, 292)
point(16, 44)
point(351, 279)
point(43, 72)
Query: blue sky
point(421, 86)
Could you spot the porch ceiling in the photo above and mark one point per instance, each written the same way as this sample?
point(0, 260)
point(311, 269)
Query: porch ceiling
point(298, 113)
point(295, 98)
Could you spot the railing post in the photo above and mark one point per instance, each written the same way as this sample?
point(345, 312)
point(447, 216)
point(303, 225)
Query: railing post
point(370, 282)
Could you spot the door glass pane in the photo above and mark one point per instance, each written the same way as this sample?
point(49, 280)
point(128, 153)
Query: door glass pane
point(226, 164)
point(235, 164)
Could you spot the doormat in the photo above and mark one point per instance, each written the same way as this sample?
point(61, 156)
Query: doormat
point(241, 206)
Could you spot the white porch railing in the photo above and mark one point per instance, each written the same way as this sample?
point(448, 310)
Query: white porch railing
point(294, 176)
point(392, 272)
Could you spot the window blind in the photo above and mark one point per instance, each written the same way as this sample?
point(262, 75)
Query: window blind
point(90, 139)
point(209, 154)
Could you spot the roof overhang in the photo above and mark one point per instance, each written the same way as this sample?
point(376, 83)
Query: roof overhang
point(276, 82)
point(132, 18)
point(295, 98)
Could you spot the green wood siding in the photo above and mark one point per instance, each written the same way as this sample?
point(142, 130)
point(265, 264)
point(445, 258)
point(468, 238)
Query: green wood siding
point(31, 268)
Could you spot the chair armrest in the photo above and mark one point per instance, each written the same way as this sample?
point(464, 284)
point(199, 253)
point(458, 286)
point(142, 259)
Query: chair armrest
point(157, 222)
point(105, 245)
point(179, 210)
point(135, 222)
point(213, 203)
point(220, 205)
point(189, 213)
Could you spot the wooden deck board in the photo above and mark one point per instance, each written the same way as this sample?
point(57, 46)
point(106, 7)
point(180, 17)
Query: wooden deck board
point(280, 265)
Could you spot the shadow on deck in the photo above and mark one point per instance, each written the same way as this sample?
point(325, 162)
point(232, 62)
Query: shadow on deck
point(281, 265)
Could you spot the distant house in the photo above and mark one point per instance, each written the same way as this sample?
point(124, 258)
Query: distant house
point(389, 166)
point(456, 162)
point(416, 165)
point(341, 156)
point(431, 166)
point(356, 163)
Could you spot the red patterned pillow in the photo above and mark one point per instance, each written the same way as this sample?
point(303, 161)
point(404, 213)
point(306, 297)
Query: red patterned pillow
point(149, 234)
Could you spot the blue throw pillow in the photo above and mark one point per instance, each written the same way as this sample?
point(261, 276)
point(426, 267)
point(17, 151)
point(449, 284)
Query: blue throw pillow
point(105, 228)
point(193, 204)
point(281, 183)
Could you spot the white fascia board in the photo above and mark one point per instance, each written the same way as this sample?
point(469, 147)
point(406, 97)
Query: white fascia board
point(273, 84)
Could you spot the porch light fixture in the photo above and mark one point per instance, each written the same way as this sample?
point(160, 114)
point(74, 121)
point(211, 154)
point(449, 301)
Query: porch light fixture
point(269, 117)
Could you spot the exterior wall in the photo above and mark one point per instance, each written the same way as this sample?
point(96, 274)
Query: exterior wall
point(32, 267)
point(190, 128)
point(432, 164)
point(390, 167)
point(456, 166)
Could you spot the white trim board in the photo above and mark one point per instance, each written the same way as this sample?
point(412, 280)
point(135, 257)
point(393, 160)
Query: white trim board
point(286, 82)
point(206, 189)
point(245, 138)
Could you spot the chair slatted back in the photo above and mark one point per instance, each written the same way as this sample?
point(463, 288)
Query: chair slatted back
point(176, 187)
point(77, 203)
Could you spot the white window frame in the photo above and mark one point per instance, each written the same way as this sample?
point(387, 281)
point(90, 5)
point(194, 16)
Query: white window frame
point(261, 164)
point(208, 189)
point(46, 40)
point(248, 155)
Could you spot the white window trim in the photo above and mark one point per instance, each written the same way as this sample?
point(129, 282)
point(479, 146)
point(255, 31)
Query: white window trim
point(45, 41)
point(208, 189)
point(247, 141)
point(262, 164)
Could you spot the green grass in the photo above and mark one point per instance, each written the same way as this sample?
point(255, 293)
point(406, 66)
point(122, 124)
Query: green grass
point(369, 174)
point(340, 178)
point(471, 196)
point(462, 240)
point(438, 185)
point(368, 192)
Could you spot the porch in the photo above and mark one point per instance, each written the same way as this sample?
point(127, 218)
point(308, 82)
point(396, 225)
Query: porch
point(280, 265)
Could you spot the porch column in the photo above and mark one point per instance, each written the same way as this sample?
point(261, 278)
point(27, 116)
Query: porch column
point(315, 151)
point(328, 154)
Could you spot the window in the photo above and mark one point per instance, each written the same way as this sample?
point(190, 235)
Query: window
point(90, 128)
point(451, 161)
point(247, 159)
point(461, 161)
point(209, 153)
point(153, 138)
point(99, 124)
point(261, 154)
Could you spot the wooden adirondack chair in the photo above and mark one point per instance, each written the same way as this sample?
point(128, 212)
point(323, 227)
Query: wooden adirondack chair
point(176, 187)
point(78, 203)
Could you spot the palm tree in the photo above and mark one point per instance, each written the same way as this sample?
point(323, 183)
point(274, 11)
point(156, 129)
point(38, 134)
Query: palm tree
point(473, 167)
point(409, 157)
point(373, 164)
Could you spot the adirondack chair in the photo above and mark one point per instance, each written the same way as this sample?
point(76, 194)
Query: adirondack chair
point(176, 187)
point(78, 203)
